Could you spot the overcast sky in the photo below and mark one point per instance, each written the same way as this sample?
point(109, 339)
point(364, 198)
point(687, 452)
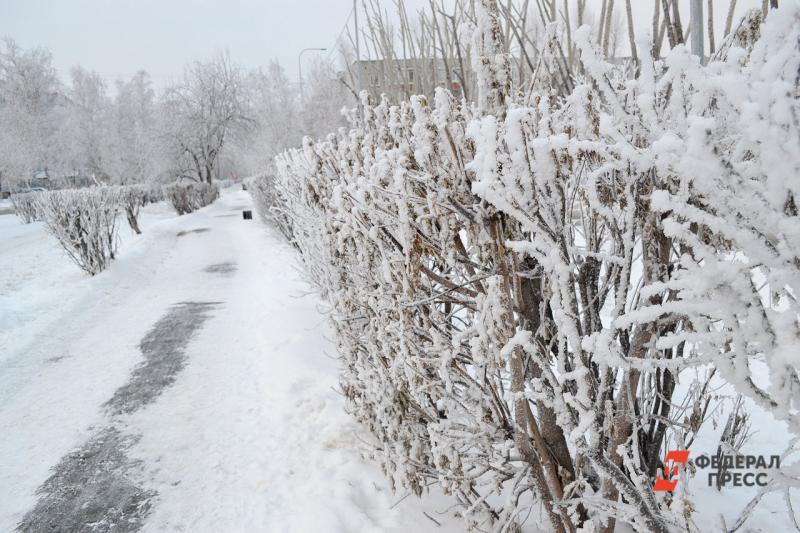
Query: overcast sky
point(118, 37)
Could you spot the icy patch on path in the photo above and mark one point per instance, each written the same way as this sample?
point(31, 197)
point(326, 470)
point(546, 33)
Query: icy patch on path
point(90, 490)
point(164, 350)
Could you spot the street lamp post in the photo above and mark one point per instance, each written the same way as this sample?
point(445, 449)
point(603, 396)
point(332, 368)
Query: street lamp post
point(358, 51)
point(696, 23)
point(300, 65)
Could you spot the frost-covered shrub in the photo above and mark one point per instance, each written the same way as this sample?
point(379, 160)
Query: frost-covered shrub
point(533, 295)
point(85, 223)
point(180, 196)
point(25, 206)
point(262, 189)
point(135, 196)
point(225, 184)
point(187, 197)
point(132, 199)
point(153, 193)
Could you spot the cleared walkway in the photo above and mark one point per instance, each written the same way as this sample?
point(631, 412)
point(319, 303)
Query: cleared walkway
point(188, 388)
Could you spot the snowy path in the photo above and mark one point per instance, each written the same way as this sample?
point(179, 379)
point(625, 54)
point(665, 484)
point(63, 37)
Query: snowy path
point(185, 389)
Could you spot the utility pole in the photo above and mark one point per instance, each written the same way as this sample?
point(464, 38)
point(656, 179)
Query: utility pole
point(300, 66)
point(697, 29)
point(358, 49)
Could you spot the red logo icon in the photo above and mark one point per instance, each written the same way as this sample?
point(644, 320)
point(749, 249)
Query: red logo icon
point(667, 483)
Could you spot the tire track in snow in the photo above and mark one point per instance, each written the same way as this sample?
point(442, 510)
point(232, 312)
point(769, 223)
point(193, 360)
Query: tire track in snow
point(91, 488)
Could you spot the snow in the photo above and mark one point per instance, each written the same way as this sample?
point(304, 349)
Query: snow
point(252, 436)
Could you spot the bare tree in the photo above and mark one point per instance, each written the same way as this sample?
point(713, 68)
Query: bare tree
point(31, 111)
point(132, 146)
point(274, 110)
point(86, 125)
point(204, 112)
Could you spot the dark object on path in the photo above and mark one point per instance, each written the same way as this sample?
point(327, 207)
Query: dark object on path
point(247, 214)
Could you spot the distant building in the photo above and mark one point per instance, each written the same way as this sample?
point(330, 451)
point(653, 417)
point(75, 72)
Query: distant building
point(48, 180)
point(401, 78)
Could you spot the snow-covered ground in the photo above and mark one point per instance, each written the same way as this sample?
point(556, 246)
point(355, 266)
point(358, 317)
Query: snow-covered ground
point(250, 436)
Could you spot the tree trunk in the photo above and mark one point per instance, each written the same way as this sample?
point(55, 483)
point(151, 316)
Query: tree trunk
point(531, 305)
point(729, 18)
point(668, 24)
point(711, 44)
point(656, 249)
point(607, 31)
point(631, 35)
point(526, 429)
point(602, 24)
point(676, 23)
